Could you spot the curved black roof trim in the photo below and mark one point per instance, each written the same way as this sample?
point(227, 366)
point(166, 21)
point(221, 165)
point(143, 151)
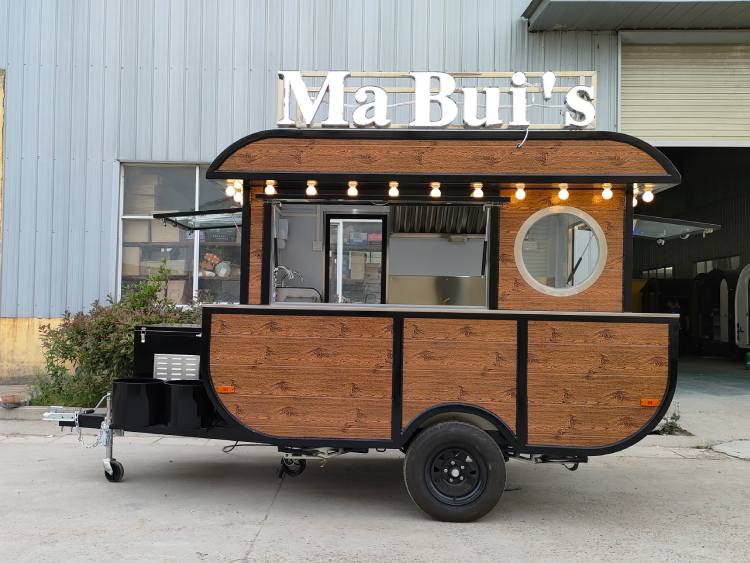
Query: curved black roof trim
point(671, 177)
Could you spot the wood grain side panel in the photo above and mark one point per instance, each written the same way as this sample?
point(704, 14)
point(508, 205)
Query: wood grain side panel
point(401, 156)
point(255, 263)
point(591, 426)
point(303, 327)
point(458, 331)
point(315, 417)
point(328, 383)
point(595, 334)
point(585, 387)
point(459, 361)
point(605, 294)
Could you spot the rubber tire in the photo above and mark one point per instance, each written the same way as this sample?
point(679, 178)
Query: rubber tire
point(454, 434)
point(118, 472)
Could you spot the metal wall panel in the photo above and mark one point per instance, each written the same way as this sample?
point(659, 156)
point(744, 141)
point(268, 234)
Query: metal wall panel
point(686, 93)
point(94, 82)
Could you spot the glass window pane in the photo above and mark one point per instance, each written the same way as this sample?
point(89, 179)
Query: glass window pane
point(145, 244)
point(355, 273)
point(219, 265)
point(560, 251)
point(213, 193)
point(669, 272)
point(149, 189)
point(734, 263)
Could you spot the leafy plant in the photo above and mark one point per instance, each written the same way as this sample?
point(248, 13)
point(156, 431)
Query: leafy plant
point(88, 350)
point(671, 425)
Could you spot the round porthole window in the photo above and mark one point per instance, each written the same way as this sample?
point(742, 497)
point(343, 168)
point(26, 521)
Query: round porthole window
point(560, 250)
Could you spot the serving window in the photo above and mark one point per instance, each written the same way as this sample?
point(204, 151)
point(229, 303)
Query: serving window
point(432, 255)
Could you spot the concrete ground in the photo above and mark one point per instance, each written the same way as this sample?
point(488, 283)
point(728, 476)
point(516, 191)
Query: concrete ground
point(668, 498)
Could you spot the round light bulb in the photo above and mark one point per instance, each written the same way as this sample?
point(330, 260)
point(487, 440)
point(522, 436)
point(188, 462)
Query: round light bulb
point(393, 189)
point(520, 191)
point(230, 191)
point(311, 189)
point(477, 190)
point(237, 184)
point(563, 194)
point(435, 189)
point(237, 197)
point(635, 201)
point(270, 187)
point(648, 196)
point(607, 191)
point(352, 191)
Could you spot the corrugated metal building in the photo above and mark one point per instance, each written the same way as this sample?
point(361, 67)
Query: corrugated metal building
point(92, 85)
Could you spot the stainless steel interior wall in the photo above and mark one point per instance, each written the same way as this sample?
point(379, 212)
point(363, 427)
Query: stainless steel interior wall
point(93, 82)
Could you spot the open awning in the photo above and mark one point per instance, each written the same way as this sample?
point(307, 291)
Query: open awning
point(664, 228)
point(546, 15)
point(200, 220)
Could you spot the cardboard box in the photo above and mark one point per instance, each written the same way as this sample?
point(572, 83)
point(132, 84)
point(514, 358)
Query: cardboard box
point(176, 291)
point(131, 261)
point(136, 230)
point(177, 266)
point(149, 267)
point(357, 265)
point(164, 233)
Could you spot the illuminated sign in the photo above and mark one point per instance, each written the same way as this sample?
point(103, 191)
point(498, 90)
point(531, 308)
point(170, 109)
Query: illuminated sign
point(434, 99)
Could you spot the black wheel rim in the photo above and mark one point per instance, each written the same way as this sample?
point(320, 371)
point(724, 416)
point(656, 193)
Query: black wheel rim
point(456, 476)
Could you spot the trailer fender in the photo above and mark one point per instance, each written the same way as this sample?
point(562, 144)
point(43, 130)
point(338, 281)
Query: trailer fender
point(478, 416)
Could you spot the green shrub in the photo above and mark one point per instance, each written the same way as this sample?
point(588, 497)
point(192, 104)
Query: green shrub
point(88, 350)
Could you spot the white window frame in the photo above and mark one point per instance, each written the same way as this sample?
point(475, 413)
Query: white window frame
point(554, 210)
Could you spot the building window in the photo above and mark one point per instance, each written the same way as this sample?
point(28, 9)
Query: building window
point(726, 264)
point(204, 264)
point(665, 273)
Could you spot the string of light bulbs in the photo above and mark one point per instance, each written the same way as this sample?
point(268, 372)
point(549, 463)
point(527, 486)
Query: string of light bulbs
point(234, 189)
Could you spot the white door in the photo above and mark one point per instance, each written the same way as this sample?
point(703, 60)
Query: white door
point(742, 309)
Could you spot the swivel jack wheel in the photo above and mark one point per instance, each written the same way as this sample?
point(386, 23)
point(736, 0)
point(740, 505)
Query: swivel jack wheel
point(292, 467)
point(117, 473)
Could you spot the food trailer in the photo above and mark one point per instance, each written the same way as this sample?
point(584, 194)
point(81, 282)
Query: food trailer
point(461, 296)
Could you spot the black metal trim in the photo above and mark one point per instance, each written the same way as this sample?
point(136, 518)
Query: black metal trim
point(245, 249)
point(522, 396)
point(397, 375)
point(493, 234)
point(384, 250)
point(265, 267)
point(627, 253)
point(671, 176)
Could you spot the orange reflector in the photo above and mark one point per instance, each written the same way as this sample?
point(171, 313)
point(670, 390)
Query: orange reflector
point(225, 389)
point(649, 402)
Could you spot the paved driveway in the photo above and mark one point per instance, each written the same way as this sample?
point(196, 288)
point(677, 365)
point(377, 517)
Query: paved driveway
point(666, 499)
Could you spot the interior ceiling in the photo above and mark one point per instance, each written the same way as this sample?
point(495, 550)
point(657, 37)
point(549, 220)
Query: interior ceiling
point(439, 219)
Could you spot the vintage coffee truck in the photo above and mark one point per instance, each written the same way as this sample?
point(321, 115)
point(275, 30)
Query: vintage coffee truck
point(461, 296)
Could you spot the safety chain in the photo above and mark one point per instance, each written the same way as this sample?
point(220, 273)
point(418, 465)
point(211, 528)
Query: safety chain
point(93, 444)
point(98, 440)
